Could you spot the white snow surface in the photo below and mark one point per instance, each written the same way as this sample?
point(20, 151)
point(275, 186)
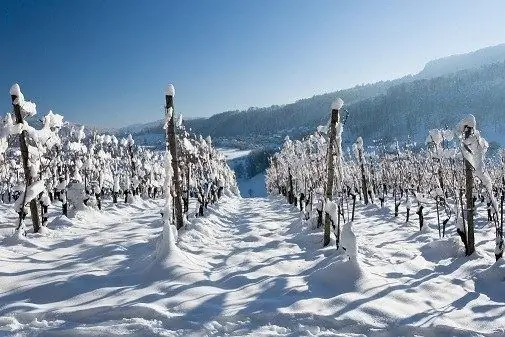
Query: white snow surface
point(27, 108)
point(15, 90)
point(170, 90)
point(252, 187)
point(233, 153)
point(250, 267)
point(337, 104)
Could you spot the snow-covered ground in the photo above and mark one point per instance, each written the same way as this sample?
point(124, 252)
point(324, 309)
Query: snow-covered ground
point(252, 187)
point(249, 187)
point(251, 267)
point(231, 153)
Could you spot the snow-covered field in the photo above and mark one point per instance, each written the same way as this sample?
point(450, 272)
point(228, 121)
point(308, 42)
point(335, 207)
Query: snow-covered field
point(251, 267)
point(231, 153)
point(252, 187)
point(249, 187)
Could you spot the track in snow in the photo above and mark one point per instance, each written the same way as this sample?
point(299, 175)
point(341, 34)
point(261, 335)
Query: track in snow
point(250, 267)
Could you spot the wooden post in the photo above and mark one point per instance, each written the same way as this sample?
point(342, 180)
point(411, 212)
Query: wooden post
point(499, 252)
point(363, 176)
point(437, 198)
point(169, 100)
point(34, 207)
point(188, 187)
point(470, 237)
point(331, 168)
point(133, 167)
point(291, 195)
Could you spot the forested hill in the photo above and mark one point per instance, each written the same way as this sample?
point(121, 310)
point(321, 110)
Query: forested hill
point(455, 63)
point(404, 107)
point(413, 108)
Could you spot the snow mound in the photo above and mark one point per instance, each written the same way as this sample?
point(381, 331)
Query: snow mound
point(176, 266)
point(442, 249)
point(491, 281)
point(60, 222)
point(340, 276)
point(495, 274)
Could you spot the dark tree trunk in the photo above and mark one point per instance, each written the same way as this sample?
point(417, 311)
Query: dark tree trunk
point(98, 201)
point(353, 205)
point(421, 217)
point(34, 207)
point(437, 198)
point(319, 218)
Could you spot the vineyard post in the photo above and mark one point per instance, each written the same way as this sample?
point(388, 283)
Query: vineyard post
point(364, 186)
point(469, 199)
point(335, 115)
point(34, 209)
point(171, 139)
point(437, 199)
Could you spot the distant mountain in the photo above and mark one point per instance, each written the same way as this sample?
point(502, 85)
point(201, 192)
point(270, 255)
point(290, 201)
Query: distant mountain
point(441, 93)
point(140, 127)
point(411, 109)
point(455, 63)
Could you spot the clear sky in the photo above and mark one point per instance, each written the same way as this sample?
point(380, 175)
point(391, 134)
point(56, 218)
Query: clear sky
point(107, 63)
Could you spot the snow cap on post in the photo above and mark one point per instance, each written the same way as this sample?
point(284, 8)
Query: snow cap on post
point(129, 140)
point(16, 94)
point(468, 121)
point(337, 104)
point(170, 90)
point(15, 90)
point(27, 108)
point(359, 142)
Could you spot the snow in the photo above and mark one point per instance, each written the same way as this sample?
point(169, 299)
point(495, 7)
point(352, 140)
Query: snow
point(27, 108)
point(80, 134)
point(53, 120)
point(252, 187)
point(129, 140)
point(170, 90)
point(232, 153)
point(15, 90)
point(33, 191)
point(337, 104)
point(468, 121)
point(250, 267)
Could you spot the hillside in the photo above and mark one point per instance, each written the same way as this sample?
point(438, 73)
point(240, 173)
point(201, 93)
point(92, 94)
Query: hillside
point(411, 109)
point(455, 63)
point(441, 93)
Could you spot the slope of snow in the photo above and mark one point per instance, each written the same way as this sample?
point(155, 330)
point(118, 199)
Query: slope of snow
point(252, 187)
point(251, 267)
point(232, 153)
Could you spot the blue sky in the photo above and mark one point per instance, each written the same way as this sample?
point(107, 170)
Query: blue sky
point(106, 63)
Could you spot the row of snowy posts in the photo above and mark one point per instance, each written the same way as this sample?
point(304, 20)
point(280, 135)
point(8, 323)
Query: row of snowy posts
point(472, 147)
point(34, 189)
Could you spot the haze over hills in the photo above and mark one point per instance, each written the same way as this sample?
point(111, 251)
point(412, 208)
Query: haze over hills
point(444, 91)
point(460, 62)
